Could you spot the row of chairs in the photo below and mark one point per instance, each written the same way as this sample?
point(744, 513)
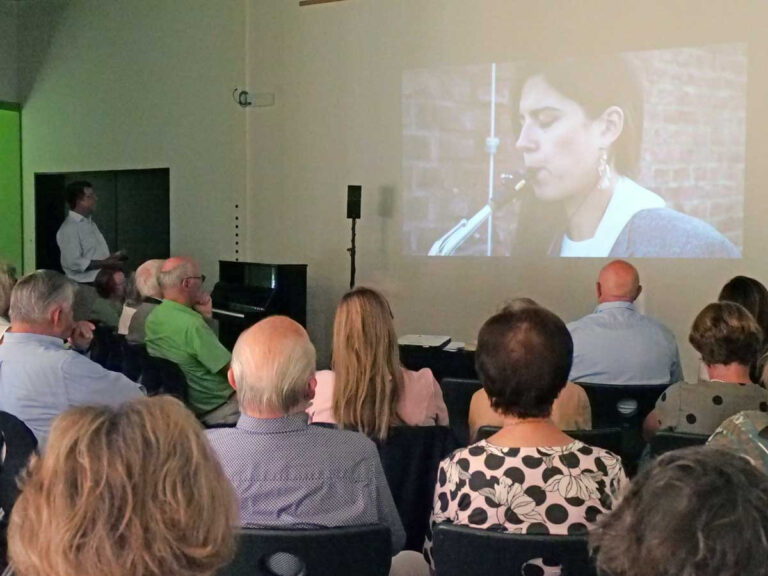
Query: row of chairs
point(365, 551)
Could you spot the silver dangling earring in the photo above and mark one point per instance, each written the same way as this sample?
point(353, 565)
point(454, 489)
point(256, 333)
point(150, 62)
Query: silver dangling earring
point(604, 171)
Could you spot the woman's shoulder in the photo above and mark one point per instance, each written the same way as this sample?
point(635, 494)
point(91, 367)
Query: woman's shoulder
point(666, 233)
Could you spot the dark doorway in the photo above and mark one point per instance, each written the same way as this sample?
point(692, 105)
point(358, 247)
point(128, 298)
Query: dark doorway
point(133, 213)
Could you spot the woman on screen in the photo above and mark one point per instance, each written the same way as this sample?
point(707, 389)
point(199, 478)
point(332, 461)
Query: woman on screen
point(581, 124)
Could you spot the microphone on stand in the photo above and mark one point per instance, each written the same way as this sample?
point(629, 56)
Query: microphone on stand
point(512, 184)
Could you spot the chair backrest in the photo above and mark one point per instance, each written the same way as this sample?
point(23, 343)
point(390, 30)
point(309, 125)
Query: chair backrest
point(665, 441)
point(19, 443)
point(161, 376)
point(608, 402)
point(134, 357)
point(353, 550)
point(457, 394)
point(106, 347)
point(606, 438)
point(463, 551)
point(410, 457)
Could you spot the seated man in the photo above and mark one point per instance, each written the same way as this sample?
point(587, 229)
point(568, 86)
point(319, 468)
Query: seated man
point(285, 472)
point(618, 345)
point(728, 338)
point(39, 376)
point(176, 330)
point(145, 279)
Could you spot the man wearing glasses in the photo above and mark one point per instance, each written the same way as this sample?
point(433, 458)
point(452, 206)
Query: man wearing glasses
point(83, 248)
point(177, 331)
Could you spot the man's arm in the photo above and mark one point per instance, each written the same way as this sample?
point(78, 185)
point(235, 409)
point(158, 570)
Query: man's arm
point(651, 425)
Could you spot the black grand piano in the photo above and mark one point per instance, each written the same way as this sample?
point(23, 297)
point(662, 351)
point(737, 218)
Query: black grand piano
point(247, 292)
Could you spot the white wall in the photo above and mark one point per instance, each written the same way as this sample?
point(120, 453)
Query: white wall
point(336, 72)
point(9, 63)
point(140, 84)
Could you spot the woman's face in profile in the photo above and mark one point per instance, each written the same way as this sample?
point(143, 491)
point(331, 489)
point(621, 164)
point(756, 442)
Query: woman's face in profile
point(559, 142)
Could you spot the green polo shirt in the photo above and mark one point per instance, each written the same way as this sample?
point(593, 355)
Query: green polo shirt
point(179, 334)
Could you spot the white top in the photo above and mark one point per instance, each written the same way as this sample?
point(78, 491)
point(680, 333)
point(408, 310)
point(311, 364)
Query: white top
point(4, 325)
point(628, 199)
point(80, 241)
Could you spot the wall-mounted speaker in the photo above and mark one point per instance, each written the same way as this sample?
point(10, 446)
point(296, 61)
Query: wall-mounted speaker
point(354, 194)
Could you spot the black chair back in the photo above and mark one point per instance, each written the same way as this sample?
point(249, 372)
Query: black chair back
point(457, 394)
point(606, 438)
point(354, 550)
point(665, 441)
point(107, 348)
point(134, 358)
point(463, 551)
point(606, 401)
point(410, 457)
point(161, 376)
point(19, 444)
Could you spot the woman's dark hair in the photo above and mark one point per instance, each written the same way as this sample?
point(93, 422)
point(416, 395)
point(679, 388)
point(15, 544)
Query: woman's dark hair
point(104, 283)
point(725, 332)
point(751, 294)
point(596, 84)
point(76, 190)
point(523, 360)
point(701, 511)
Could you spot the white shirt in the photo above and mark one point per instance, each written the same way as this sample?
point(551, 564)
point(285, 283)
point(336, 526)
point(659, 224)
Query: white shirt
point(628, 199)
point(80, 242)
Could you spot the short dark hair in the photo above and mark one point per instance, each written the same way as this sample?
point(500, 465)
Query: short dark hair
point(596, 84)
point(76, 190)
point(700, 511)
point(104, 283)
point(725, 332)
point(523, 360)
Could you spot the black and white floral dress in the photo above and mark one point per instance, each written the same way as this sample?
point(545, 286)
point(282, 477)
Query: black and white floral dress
point(543, 490)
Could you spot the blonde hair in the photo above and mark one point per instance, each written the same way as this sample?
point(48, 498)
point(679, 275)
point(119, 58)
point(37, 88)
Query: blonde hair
point(366, 362)
point(128, 491)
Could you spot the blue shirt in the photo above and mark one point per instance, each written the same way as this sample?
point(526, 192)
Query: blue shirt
point(287, 473)
point(618, 345)
point(40, 378)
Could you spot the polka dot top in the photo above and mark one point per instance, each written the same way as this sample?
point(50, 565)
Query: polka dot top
point(544, 490)
point(700, 408)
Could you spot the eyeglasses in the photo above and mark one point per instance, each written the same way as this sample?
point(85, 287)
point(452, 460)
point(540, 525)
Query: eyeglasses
point(201, 278)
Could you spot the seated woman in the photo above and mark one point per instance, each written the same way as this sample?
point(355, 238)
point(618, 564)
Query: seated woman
point(699, 511)
point(728, 339)
point(571, 410)
point(129, 491)
point(368, 390)
point(110, 287)
point(530, 477)
point(7, 282)
point(745, 434)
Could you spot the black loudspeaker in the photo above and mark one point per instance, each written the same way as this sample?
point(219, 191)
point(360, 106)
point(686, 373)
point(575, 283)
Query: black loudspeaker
point(354, 194)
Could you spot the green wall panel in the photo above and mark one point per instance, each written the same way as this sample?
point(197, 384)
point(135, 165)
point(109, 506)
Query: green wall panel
point(10, 185)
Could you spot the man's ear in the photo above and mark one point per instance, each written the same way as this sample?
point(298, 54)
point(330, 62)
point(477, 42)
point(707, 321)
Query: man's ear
point(231, 378)
point(311, 387)
point(598, 290)
point(637, 294)
point(54, 315)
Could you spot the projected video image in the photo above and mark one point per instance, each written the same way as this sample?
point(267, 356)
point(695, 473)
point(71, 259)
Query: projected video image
point(640, 154)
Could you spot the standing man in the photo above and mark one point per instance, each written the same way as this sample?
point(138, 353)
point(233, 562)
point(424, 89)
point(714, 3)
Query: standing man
point(83, 248)
point(616, 344)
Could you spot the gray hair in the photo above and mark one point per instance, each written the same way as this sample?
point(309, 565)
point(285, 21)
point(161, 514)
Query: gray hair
point(7, 281)
point(147, 278)
point(34, 295)
point(175, 276)
point(273, 377)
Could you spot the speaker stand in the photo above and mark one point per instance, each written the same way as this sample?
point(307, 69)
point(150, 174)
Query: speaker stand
point(352, 252)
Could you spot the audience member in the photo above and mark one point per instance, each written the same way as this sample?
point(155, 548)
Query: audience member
point(746, 434)
point(176, 331)
point(698, 511)
point(728, 338)
point(618, 345)
point(110, 291)
point(529, 477)
point(367, 389)
point(39, 376)
point(131, 302)
point(146, 282)
point(129, 491)
point(7, 282)
point(285, 472)
point(751, 294)
point(571, 410)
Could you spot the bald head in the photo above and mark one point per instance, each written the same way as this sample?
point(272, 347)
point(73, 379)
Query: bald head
point(146, 279)
point(618, 282)
point(273, 366)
